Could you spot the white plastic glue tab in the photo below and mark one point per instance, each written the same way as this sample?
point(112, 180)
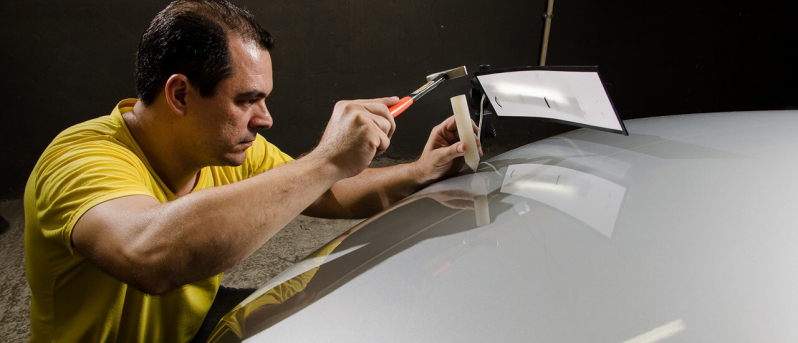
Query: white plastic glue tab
point(465, 130)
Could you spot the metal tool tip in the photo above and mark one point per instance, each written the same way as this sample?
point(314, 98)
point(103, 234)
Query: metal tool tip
point(449, 74)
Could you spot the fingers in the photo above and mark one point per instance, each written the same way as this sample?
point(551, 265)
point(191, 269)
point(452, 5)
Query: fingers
point(357, 131)
point(475, 128)
point(387, 101)
point(382, 117)
point(448, 130)
point(447, 154)
point(460, 204)
point(457, 199)
point(476, 133)
point(375, 115)
point(384, 143)
point(449, 124)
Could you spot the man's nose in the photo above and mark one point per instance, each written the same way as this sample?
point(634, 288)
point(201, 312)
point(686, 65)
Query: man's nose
point(261, 118)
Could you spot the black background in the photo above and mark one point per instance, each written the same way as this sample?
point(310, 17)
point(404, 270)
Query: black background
point(67, 62)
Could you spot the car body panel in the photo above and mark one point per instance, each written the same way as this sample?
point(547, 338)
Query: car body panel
point(687, 228)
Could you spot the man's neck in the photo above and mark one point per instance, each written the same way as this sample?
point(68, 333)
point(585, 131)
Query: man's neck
point(162, 149)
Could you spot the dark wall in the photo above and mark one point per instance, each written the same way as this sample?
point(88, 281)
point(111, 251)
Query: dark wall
point(667, 57)
point(64, 64)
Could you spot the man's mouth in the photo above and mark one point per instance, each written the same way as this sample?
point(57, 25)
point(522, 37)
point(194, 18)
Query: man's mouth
point(247, 143)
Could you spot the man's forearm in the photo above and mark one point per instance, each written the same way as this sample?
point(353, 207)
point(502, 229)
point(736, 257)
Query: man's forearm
point(369, 192)
point(203, 233)
point(247, 213)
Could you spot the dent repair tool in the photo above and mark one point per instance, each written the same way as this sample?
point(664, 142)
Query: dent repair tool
point(433, 80)
point(463, 119)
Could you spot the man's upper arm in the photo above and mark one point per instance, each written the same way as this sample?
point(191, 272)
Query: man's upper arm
point(108, 233)
point(71, 183)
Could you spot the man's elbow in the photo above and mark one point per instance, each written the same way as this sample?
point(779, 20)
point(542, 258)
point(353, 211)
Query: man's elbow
point(152, 274)
point(152, 287)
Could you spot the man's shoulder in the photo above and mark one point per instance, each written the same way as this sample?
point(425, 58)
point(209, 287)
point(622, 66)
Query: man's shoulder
point(98, 139)
point(97, 128)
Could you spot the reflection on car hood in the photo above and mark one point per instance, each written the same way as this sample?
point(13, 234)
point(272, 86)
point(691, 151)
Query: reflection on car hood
point(685, 229)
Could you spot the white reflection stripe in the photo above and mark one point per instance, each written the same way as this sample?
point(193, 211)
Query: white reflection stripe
point(540, 185)
point(297, 269)
point(660, 333)
point(515, 89)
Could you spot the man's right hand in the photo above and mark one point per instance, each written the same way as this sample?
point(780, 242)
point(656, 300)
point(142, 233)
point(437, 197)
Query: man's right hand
point(358, 130)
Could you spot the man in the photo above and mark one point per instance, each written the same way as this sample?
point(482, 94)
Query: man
point(132, 218)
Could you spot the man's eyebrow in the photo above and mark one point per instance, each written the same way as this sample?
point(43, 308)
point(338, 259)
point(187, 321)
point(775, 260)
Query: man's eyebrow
point(252, 94)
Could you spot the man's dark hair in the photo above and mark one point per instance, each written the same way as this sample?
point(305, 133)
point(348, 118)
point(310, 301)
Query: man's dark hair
point(190, 37)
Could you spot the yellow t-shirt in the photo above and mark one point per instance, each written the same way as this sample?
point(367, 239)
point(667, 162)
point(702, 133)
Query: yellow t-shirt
point(74, 301)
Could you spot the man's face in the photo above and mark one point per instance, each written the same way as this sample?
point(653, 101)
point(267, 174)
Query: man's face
point(225, 125)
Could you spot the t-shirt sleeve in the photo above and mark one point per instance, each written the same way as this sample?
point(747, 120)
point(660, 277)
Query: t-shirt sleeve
point(263, 156)
point(72, 180)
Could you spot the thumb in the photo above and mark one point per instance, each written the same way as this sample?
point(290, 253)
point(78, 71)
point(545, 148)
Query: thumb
point(387, 101)
point(451, 152)
point(460, 148)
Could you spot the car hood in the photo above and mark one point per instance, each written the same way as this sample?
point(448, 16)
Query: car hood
point(685, 229)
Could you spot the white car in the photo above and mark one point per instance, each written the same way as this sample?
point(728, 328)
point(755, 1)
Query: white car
point(686, 230)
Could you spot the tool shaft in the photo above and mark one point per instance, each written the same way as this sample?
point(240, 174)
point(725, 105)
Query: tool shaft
point(433, 80)
point(403, 104)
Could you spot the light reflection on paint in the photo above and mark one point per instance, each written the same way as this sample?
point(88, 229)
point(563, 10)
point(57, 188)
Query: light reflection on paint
point(590, 199)
point(533, 185)
point(521, 208)
point(660, 333)
point(299, 268)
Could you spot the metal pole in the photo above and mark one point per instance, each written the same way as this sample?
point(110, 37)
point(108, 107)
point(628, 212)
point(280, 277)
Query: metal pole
point(546, 30)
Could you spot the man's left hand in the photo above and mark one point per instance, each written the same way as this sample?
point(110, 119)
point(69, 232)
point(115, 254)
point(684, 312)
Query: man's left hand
point(443, 154)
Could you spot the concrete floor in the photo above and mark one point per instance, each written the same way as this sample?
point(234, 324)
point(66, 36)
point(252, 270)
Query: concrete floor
point(14, 292)
point(298, 239)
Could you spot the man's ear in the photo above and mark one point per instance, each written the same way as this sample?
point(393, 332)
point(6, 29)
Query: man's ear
point(176, 88)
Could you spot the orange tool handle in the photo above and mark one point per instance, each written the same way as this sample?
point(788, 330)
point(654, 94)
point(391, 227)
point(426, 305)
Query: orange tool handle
point(401, 106)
